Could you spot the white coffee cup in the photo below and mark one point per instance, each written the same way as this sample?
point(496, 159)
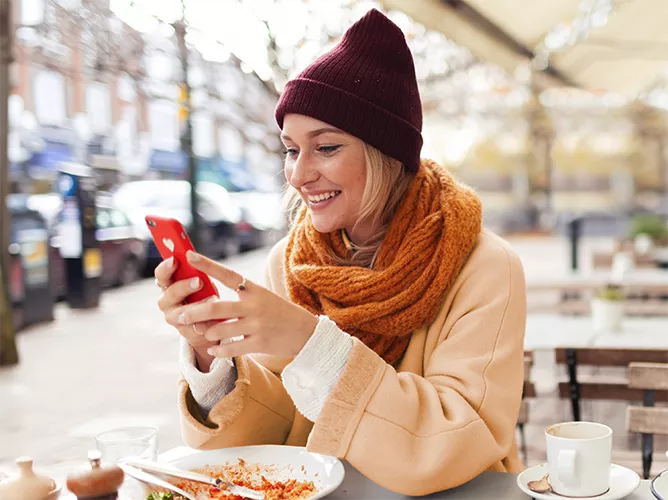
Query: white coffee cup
point(579, 455)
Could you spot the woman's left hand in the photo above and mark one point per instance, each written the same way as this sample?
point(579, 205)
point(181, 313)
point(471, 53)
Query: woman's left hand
point(268, 323)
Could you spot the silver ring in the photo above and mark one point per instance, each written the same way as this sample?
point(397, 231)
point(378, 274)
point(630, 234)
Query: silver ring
point(242, 285)
point(196, 330)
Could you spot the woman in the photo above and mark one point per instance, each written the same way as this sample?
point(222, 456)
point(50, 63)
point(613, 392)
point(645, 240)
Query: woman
point(390, 332)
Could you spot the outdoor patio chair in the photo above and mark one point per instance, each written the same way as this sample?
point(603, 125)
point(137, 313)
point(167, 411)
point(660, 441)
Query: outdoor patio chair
point(604, 387)
point(647, 419)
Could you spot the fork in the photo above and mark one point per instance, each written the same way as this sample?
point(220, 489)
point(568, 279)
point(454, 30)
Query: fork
point(157, 468)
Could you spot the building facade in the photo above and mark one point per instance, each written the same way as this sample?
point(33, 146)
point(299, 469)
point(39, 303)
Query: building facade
point(90, 89)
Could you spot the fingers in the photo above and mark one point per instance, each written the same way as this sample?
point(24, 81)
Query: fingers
point(225, 330)
point(175, 315)
point(164, 271)
point(201, 328)
point(175, 294)
point(234, 349)
point(231, 279)
point(214, 310)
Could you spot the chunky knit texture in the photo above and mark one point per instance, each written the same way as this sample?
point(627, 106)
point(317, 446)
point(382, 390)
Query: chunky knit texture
point(365, 86)
point(432, 234)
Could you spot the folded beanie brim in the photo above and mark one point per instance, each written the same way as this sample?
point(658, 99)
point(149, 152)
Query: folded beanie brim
point(361, 118)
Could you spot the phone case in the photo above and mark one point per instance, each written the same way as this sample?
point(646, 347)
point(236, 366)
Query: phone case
point(171, 239)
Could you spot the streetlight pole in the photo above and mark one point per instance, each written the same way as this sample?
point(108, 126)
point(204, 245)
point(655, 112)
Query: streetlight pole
point(8, 352)
point(186, 126)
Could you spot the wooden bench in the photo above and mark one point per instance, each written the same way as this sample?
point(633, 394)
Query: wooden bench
point(602, 388)
point(603, 260)
point(647, 420)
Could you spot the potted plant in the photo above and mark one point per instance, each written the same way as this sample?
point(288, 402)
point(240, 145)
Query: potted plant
point(648, 230)
point(607, 308)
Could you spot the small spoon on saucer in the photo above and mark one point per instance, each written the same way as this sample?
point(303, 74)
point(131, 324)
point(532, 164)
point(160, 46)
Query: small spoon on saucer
point(540, 486)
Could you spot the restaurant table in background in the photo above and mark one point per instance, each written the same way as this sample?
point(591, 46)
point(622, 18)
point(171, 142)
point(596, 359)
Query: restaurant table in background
point(550, 331)
point(638, 280)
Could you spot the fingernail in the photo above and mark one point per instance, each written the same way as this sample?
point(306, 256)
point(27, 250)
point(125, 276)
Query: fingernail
point(182, 318)
point(193, 256)
point(170, 261)
point(211, 351)
point(194, 283)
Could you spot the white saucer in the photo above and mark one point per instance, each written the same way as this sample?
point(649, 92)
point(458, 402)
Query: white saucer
point(659, 485)
point(623, 482)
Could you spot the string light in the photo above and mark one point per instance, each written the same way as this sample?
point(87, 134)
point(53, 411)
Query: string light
point(593, 14)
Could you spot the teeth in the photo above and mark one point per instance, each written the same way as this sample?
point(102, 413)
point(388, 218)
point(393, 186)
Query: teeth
point(322, 197)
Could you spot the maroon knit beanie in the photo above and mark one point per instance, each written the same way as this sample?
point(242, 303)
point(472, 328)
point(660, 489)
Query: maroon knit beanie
point(365, 86)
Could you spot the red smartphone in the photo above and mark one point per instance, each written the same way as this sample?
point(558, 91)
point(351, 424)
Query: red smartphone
point(172, 240)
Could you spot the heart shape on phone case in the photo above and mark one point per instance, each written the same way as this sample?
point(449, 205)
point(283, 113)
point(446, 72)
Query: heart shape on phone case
point(169, 244)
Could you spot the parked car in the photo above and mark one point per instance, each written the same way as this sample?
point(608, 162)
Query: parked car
point(263, 218)
point(220, 218)
point(48, 205)
point(261, 201)
point(23, 221)
point(123, 252)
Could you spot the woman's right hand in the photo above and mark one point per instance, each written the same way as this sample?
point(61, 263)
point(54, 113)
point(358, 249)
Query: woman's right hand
point(172, 304)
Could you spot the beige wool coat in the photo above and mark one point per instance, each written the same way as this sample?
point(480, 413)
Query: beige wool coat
point(443, 415)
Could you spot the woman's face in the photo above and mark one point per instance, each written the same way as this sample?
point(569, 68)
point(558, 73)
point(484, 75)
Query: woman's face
point(328, 168)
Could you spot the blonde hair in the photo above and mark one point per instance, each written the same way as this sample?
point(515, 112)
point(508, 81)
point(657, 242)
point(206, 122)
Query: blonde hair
point(387, 181)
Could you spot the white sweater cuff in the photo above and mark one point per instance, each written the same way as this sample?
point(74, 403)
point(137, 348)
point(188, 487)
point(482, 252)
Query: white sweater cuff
point(207, 388)
point(312, 375)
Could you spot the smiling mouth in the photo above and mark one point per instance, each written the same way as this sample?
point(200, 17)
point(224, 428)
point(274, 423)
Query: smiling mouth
point(321, 198)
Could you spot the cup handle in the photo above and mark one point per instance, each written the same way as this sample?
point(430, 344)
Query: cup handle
point(566, 470)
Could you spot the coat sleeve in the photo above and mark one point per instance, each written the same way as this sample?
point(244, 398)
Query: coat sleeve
point(257, 411)
point(420, 434)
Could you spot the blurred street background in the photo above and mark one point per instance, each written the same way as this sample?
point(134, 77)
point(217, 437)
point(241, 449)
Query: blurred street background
point(555, 111)
point(90, 371)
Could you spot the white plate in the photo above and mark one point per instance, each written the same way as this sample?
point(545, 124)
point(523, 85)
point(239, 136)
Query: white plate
point(326, 472)
point(659, 485)
point(623, 482)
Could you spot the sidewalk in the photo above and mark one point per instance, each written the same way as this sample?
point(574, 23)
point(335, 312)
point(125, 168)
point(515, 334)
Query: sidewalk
point(89, 371)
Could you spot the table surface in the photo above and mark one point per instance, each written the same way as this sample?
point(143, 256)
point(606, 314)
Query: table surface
point(489, 485)
point(550, 331)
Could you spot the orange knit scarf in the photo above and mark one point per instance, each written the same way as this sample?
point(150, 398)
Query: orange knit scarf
point(429, 239)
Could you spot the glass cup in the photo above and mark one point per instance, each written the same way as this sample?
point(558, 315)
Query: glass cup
point(128, 442)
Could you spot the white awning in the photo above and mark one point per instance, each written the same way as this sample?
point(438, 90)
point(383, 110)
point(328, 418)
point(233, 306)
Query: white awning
point(626, 53)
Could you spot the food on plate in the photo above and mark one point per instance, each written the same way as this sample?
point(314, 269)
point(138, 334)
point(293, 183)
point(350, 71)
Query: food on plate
point(270, 480)
point(164, 495)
